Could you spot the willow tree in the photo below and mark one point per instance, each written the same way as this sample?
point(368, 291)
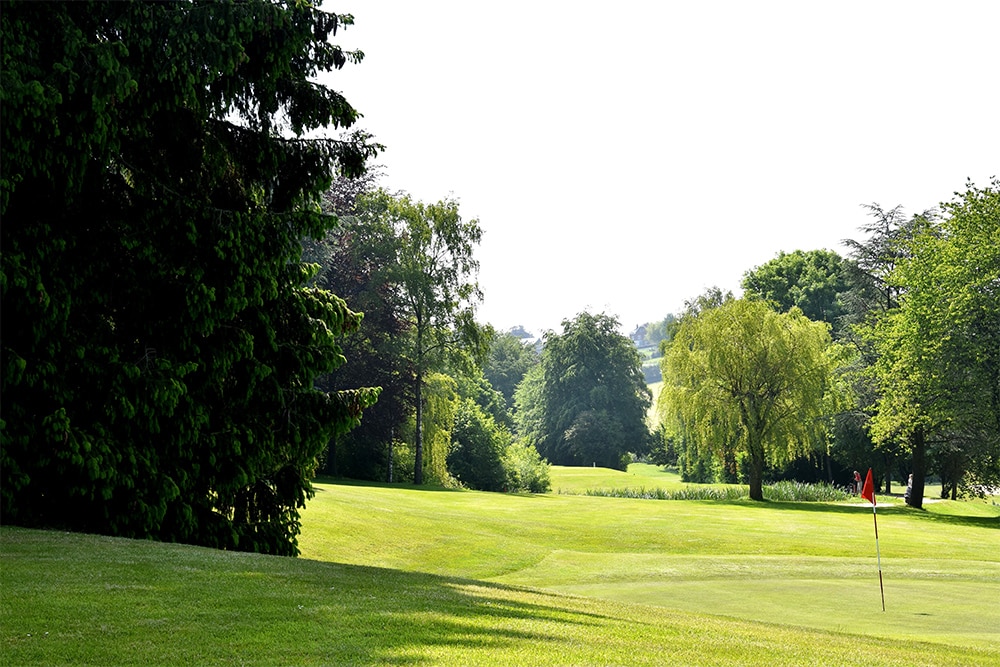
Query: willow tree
point(745, 377)
point(159, 341)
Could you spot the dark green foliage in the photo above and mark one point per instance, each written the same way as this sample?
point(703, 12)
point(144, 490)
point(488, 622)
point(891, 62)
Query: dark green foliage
point(589, 404)
point(357, 262)
point(159, 344)
point(811, 281)
point(478, 444)
point(509, 359)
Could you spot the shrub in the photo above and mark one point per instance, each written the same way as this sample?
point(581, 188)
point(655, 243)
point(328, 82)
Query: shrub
point(526, 469)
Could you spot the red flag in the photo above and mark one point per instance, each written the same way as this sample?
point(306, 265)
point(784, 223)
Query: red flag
point(868, 491)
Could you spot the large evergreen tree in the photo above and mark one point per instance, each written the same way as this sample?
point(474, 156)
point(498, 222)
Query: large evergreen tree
point(159, 343)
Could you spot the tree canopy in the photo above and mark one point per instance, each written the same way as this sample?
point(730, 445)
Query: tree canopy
point(358, 262)
point(939, 351)
point(159, 340)
point(587, 402)
point(811, 281)
point(416, 261)
point(509, 360)
point(743, 376)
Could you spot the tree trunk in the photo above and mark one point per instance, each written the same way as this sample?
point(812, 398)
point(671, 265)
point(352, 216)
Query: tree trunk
point(756, 469)
point(389, 462)
point(418, 462)
point(331, 457)
point(919, 449)
point(888, 474)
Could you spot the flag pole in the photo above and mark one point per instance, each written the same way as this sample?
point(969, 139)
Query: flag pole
point(878, 556)
point(868, 493)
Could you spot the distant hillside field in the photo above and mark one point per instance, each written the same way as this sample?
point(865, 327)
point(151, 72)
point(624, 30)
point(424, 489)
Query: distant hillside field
point(400, 575)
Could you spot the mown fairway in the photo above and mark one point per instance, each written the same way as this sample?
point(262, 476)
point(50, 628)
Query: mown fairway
point(803, 564)
point(395, 575)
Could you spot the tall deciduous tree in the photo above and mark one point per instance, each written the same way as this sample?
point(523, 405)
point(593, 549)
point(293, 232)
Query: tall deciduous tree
point(810, 281)
point(742, 375)
point(358, 263)
point(159, 342)
point(434, 270)
point(939, 352)
point(587, 404)
point(871, 294)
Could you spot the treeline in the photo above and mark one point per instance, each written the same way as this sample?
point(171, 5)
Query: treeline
point(201, 303)
point(203, 307)
point(888, 358)
point(460, 402)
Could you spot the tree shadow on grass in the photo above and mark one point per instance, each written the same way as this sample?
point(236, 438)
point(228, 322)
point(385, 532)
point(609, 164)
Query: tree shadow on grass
point(883, 510)
point(344, 481)
point(383, 616)
point(138, 602)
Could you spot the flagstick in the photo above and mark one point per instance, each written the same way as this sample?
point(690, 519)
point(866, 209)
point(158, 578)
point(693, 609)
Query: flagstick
point(878, 555)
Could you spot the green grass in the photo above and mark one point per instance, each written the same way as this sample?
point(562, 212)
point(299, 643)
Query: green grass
point(397, 575)
point(567, 479)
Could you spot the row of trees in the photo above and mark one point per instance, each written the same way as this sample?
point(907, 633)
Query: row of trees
point(182, 286)
point(410, 267)
point(887, 358)
point(465, 403)
point(174, 346)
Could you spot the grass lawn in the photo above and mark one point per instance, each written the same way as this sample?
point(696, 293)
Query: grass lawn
point(806, 564)
point(397, 575)
point(567, 479)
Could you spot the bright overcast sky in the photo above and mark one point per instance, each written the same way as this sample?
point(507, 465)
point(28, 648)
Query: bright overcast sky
point(623, 157)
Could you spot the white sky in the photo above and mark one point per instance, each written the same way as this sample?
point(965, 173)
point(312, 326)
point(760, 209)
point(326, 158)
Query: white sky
point(622, 157)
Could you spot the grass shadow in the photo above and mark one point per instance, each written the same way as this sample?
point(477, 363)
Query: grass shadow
point(132, 600)
point(344, 481)
point(883, 510)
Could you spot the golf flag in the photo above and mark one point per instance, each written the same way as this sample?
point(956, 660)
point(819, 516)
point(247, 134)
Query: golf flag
point(868, 490)
point(868, 493)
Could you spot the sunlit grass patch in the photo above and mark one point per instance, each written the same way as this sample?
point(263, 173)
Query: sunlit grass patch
point(79, 599)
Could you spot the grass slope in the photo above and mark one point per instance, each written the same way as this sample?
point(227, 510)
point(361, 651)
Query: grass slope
point(567, 479)
point(396, 575)
point(804, 564)
point(84, 600)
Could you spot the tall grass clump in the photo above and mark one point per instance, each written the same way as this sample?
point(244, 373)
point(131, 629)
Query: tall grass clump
point(687, 493)
point(799, 491)
point(780, 491)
